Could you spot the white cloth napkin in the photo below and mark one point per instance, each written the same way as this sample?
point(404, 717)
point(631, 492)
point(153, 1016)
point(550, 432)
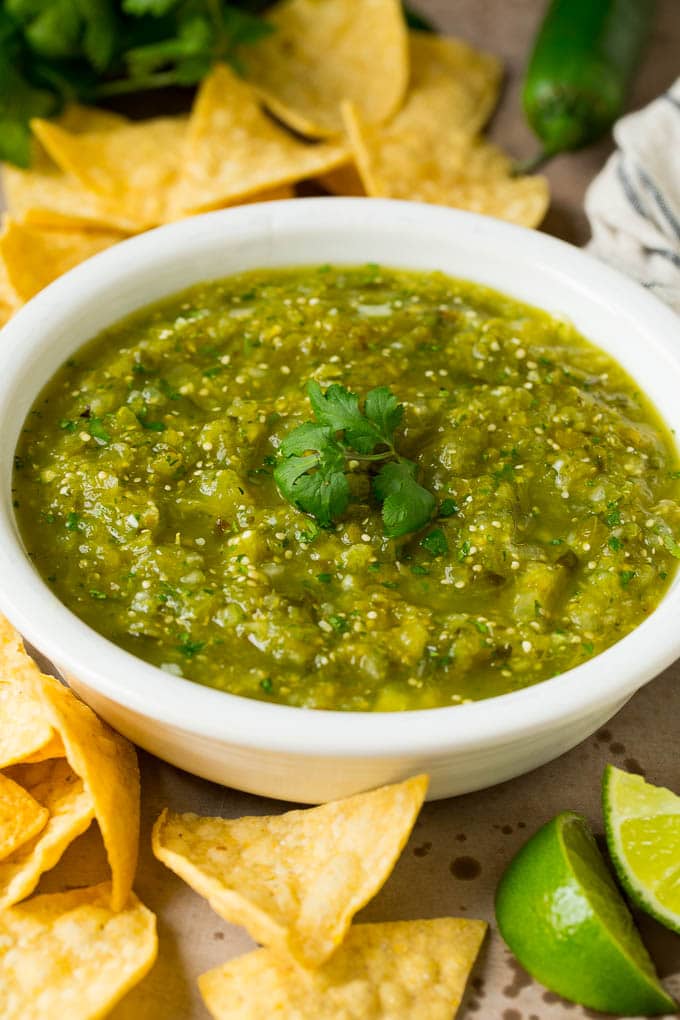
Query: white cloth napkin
point(634, 203)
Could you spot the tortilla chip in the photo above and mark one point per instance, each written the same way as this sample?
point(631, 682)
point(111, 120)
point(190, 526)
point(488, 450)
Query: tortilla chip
point(55, 785)
point(82, 119)
point(421, 162)
point(344, 181)
point(107, 764)
point(68, 955)
point(34, 257)
point(25, 729)
point(104, 763)
point(130, 167)
point(404, 969)
point(452, 84)
point(9, 302)
point(294, 880)
point(45, 196)
point(21, 816)
point(322, 53)
point(54, 748)
point(234, 150)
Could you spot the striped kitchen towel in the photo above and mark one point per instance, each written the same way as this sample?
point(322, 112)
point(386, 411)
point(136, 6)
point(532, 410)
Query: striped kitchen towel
point(634, 204)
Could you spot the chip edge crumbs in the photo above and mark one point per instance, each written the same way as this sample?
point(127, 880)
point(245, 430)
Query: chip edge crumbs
point(234, 990)
point(291, 935)
point(28, 928)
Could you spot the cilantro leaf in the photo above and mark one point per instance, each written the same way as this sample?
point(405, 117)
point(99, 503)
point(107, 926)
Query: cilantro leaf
point(99, 32)
point(407, 506)
point(324, 495)
point(19, 98)
point(311, 470)
point(193, 39)
point(156, 8)
point(435, 542)
point(315, 483)
point(338, 408)
point(384, 410)
point(305, 438)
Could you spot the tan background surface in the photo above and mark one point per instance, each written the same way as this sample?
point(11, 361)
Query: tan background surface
point(474, 835)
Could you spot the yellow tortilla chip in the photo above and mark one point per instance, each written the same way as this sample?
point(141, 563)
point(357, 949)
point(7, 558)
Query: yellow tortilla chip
point(25, 729)
point(130, 167)
point(344, 181)
point(68, 955)
point(295, 880)
point(54, 748)
point(81, 119)
point(21, 816)
point(107, 764)
point(322, 53)
point(428, 152)
point(104, 763)
point(427, 164)
point(404, 969)
point(234, 150)
point(9, 302)
point(57, 788)
point(45, 196)
point(452, 84)
point(34, 257)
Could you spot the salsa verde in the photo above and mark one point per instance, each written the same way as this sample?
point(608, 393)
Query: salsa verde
point(144, 491)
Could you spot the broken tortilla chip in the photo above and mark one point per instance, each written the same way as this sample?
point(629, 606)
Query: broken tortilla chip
point(107, 764)
point(33, 257)
point(21, 816)
point(295, 880)
point(234, 150)
point(421, 162)
point(25, 730)
point(69, 955)
point(320, 54)
point(55, 786)
point(131, 167)
point(414, 969)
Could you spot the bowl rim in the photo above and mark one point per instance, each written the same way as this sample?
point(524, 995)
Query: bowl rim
point(607, 679)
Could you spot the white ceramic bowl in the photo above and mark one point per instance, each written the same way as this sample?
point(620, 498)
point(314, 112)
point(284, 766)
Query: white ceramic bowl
point(292, 753)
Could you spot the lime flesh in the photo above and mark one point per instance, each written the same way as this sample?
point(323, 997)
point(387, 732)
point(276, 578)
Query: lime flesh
point(643, 834)
point(562, 916)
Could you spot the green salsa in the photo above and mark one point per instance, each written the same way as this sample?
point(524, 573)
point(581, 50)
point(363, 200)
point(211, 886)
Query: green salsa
point(144, 491)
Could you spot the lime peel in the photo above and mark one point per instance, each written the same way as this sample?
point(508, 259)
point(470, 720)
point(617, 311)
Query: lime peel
point(642, 823)
point(560, 913)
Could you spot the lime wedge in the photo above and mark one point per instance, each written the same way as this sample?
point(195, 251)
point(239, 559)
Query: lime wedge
point(643, 834)
point(564, 919)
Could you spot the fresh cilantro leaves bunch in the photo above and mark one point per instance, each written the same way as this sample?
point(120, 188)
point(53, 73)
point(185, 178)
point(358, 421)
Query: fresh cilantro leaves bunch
point(55, 51)
point(314, 459)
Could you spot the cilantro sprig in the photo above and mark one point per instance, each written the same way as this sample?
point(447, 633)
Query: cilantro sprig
point(55, 51)
point(314, 459)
